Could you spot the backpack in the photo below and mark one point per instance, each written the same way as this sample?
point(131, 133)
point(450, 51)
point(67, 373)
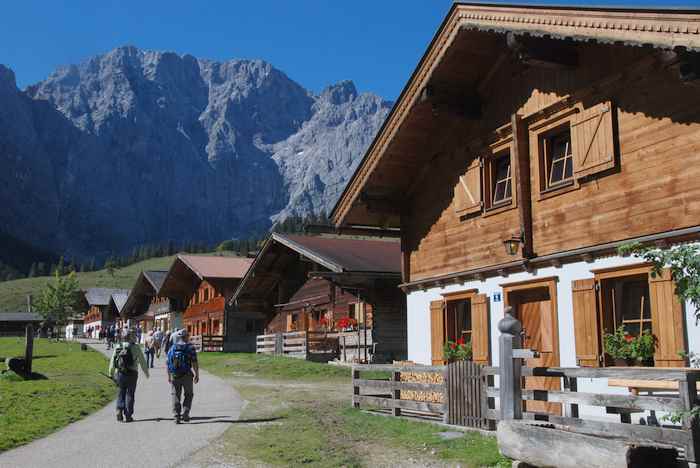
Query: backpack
point(124, 360)
point(179, 360)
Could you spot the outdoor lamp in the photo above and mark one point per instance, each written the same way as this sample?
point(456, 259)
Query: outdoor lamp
point(512, 244)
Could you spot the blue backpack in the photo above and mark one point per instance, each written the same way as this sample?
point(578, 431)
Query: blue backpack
point(179, 360)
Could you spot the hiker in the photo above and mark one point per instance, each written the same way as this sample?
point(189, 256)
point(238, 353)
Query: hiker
point(167, 341)
point(157, 339)
point(149, 345)
point(126, 359)
point(183, 373)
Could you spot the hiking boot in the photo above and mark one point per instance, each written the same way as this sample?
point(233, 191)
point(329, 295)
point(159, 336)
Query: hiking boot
point(120, 416)
point(186, 417)
point(177, 419)
point(129, 419)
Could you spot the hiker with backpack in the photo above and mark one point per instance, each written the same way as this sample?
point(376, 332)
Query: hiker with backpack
point(126, 359)
point(183, 373)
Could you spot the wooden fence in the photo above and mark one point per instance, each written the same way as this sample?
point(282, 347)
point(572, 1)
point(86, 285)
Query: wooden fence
point(462, 390)
point(316, 346)
point(208, 342)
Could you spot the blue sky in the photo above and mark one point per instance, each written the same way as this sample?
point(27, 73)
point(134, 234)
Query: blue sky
point(375, 43)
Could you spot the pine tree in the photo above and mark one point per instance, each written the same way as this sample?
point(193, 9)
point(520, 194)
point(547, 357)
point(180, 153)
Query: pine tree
point(92, 265)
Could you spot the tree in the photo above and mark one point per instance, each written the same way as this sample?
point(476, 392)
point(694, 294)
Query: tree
point(225, 246)
point(110, 266)
point(58, 299)
point(32, 271)
point(684, 263)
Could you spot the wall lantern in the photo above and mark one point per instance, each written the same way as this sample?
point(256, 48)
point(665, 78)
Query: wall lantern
point(512, 244)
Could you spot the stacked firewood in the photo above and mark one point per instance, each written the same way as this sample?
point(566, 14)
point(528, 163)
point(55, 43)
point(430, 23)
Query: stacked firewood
point(420, 377)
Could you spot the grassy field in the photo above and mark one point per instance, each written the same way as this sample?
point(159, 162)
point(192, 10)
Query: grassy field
point(298, 413)
point(13, 294)
point(73, 388)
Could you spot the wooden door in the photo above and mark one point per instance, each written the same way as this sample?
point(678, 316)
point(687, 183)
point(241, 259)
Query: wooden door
point(534, 308)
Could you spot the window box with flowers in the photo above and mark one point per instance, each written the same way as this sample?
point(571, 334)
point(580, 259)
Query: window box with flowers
point(346, 324)
point(629, 350)
point(459, 350)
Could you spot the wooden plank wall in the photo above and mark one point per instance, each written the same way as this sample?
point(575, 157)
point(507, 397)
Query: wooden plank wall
point(657, 120)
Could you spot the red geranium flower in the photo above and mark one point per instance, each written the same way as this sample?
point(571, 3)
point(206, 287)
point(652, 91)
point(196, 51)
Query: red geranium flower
point(453, 346)
point(460, 341)
point(629, 338)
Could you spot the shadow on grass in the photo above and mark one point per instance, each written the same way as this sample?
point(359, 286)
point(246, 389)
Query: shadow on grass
point(11, 376)
point(213, 420)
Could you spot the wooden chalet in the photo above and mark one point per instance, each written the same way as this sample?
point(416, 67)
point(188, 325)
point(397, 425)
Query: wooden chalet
point(307, 284)
point(147, 308)
point(102, 308)
point(529, 143)
point(200, 285)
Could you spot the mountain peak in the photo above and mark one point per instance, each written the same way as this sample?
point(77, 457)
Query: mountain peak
point(7, 78)
point(339, 93)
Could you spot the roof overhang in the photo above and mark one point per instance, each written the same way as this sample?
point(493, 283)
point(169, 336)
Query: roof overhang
point(673, 30)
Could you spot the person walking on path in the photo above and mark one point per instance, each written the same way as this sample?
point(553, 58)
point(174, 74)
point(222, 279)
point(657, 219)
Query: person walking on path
point(149, 345)
point(157, 339)
point(183, 373)
point(167, 341)
point(126, 358)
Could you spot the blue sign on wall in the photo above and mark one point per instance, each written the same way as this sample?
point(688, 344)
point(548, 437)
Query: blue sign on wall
point(496, 297)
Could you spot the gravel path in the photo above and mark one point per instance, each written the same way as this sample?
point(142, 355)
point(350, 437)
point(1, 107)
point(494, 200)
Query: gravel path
point(152, 440)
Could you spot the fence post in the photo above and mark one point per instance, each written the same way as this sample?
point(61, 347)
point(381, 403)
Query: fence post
point(29, 349)
point(355, 388)
point(687, 390)
point(279, 343)
point(396, 393)
point(510, 368)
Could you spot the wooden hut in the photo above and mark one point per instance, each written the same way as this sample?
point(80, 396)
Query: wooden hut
point(100, 314)
point(146, 307)
point(528, 145)
point(342, 286)
point(200, 285)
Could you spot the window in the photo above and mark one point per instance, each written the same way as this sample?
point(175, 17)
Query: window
point(558, 158)
point(500, 178)
point(634, 299)
point(458, 321)
point(206, 294)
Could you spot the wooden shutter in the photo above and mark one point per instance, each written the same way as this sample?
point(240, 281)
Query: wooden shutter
point(468, 189)
point(437, 331)
point(666, 321)
point(480, 328)
point(592, 140)
point(586, 333)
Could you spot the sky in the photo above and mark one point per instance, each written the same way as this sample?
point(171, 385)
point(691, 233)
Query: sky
point(375, 43)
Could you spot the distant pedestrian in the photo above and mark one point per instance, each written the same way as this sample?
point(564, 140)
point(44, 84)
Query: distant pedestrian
point(149, 345)
point(126, 359)
point(167, 341)
point(157, 341)
point(183, 373)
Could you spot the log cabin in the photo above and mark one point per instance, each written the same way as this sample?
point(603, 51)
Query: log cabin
point(100, 314)
point(146, 307)
point(200, 285)
point(527, 146)
point(316, 283)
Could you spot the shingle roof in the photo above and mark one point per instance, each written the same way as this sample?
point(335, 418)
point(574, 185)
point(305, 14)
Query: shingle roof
point(217, 267)
point(20, 317)
point(101, 296)
point(347, 254)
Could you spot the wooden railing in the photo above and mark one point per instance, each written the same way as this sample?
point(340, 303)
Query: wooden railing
point(461, 388)
point(523, 437)
point(305, 345)
point(208, 342)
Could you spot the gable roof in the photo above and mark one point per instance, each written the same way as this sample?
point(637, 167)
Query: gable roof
point(660, 28)
point(119, 299)
point(216, 267)
point(342, 256)
point(102, 296)
point(155, 278)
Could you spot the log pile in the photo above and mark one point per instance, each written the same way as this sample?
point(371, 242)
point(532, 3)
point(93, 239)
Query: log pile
point(420, 377)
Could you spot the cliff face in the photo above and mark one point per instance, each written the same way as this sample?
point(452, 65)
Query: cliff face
point(135, 147)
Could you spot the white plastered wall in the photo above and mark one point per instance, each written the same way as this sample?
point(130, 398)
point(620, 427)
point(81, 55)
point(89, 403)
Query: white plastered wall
point(418, 302)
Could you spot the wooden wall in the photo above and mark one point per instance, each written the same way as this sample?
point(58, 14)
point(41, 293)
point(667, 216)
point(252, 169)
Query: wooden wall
point(653, 189)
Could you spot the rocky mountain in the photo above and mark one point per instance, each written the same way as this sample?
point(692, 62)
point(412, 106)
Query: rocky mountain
point(135, 147)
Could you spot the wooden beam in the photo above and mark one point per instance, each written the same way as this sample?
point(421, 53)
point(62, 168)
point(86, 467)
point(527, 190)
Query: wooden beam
point(542, 53)
point(452, 102)
point(521, 159)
